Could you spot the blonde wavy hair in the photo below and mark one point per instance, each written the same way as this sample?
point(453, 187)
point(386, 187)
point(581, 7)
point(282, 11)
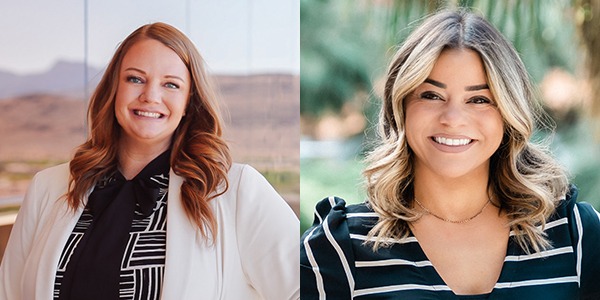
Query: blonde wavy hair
point(199, 154)
point(526, 181)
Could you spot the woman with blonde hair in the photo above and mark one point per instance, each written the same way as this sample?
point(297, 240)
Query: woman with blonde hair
point(461, 204)
point(151, 205)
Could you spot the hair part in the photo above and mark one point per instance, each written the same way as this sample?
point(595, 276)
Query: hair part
point(199, 154)
point(524, 178)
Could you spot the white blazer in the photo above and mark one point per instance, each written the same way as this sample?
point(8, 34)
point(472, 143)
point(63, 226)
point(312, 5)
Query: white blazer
point(255, 255)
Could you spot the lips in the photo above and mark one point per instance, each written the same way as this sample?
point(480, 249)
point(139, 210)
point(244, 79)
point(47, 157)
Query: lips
point(451, 141)
point(148, 114)
point(452, 144)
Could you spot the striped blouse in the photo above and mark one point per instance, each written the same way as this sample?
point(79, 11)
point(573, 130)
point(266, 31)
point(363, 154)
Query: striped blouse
point(335, 263)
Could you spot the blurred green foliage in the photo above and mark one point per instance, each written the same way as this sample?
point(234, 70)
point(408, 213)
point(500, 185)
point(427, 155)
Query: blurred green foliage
point(340, 46)
point(328, 177)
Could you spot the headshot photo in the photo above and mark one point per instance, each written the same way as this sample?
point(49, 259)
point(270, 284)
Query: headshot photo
point(155, 154)
point(452, 153)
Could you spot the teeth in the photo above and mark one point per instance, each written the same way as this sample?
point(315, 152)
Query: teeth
point(451, 142)
point(147, 114)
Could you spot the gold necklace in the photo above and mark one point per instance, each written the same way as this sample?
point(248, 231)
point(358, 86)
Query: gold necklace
point(453, 221)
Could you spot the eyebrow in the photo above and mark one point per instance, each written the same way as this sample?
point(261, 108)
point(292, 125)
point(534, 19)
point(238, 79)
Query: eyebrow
point(142, 71)
point(468, 88)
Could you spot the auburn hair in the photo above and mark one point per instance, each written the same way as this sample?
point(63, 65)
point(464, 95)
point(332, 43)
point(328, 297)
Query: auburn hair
point(524, 178)
point(198, 152)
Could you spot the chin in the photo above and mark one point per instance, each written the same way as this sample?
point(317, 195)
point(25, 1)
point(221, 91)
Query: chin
point(457, 171)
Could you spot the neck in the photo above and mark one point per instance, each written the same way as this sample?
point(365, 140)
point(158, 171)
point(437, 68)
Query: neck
point(134, 156)
point(452, 198)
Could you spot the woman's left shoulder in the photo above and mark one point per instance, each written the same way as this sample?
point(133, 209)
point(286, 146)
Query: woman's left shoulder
point(245, 180)
point(247, 186)
point(576, 210)
point(239, 172)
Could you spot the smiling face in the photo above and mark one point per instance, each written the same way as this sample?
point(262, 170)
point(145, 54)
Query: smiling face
point(152, 94)
point(452, 123)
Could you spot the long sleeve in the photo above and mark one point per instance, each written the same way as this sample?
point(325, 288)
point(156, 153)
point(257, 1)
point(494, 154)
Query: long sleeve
point(267, 231)
point(19, 246)
point(38, 236)
point(326, 255)
point(587, 247)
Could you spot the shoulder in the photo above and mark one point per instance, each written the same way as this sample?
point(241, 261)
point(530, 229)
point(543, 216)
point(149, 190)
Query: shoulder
point(243, 172)
point(58, 172)
point(356, 217)
point(578, 216)
point(336, 223)
point(250, 191)
point(578, 213)
point(243, 177)
point(581, 215)
point(46, 187)
point(327, 251)
point(53, 180)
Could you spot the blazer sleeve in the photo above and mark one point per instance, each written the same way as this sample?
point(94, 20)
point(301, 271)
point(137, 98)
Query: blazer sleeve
point(267, 231)
point(587, 221)
point(19, 245)
point(326, 254)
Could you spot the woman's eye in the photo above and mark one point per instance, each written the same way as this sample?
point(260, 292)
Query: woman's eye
point(134, 79)
point(480, 100)
point(171, 85)
point(430, 96)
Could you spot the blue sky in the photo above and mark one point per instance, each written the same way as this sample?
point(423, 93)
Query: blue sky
point(234, 36)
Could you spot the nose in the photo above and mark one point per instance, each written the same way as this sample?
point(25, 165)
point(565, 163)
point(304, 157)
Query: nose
point(453, 114)
point(151, 93)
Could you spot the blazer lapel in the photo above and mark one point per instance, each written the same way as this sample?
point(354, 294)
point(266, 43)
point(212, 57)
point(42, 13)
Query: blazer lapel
point(191, 265)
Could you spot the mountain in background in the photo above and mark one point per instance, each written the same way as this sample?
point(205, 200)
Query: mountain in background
point(42, 115)
point(64, 78)
point(43, 121)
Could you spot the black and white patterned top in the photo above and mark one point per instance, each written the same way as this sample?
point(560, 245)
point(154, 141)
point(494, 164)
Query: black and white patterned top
point(336, 263)
point(142, 267)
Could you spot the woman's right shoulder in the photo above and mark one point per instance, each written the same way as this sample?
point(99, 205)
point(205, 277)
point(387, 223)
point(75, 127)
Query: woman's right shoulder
point(327, 249)
point(57, 175)
point(333, 217)
point(48, 184)
point(57, 170)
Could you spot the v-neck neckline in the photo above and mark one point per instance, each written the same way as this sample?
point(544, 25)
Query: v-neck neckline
point(503, 271)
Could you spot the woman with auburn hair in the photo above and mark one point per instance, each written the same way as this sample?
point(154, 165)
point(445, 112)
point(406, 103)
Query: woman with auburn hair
point(461, 204)
point(151, 206)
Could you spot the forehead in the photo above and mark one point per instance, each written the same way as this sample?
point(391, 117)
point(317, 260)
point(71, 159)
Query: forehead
point(151, 55)
point(460, 66)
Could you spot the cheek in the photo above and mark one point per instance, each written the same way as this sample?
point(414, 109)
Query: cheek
point(495, 127)
point(178, 106)
point(411, 134)
point(121, 98)
point(186, 102)
point(414, 121)
point(118, 103)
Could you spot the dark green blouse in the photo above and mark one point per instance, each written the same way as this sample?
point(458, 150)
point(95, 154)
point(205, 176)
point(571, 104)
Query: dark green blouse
point(335, 263)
